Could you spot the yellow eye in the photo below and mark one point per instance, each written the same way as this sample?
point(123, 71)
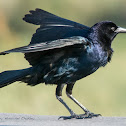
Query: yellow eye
point(113, 28)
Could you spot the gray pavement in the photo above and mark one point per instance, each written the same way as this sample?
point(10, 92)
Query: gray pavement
point(7, 119)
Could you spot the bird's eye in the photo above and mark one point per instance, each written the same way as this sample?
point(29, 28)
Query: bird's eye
point(113, 28)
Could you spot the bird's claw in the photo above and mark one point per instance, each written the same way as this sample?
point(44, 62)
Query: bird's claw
point(89, 115)
point(82, 116)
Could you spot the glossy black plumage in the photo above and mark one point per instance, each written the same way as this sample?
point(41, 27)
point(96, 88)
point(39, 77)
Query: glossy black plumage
point(62, 52)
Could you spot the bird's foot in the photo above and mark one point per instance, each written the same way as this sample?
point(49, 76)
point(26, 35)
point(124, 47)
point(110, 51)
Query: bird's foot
point(88, 115)
point(81, 116)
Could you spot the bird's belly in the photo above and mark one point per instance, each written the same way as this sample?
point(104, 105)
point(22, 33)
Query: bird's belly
point(74, 68)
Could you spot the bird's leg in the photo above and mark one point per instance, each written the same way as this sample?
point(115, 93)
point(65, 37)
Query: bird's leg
point(87, 114)
point(59, 97)
point(69, 94)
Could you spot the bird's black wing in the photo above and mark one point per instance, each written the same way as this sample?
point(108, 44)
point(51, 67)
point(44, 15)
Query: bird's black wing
point(54, 32)
point(60, 43)
point(53, 27)
point(44, 18)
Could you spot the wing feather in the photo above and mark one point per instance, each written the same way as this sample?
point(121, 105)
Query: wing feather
point(41, 17)
point(53, 27)
point(60, 43)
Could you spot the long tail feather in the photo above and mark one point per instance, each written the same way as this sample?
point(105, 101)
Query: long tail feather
point(8, 77)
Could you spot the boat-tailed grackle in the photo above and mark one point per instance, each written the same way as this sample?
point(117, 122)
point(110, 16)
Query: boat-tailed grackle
point(62, 52)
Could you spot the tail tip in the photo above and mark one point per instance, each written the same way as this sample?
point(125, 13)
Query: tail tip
point(3, 53)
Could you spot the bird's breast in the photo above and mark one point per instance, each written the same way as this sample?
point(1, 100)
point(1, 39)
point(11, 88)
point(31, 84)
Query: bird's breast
point(96, 55)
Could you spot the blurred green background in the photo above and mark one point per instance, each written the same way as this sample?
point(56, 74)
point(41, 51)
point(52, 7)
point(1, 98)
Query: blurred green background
point(103, 92)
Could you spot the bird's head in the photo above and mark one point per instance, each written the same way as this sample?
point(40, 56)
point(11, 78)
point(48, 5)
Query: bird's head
point(106, 31)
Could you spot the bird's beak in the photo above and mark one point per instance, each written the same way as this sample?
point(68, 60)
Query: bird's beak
point(120, 30)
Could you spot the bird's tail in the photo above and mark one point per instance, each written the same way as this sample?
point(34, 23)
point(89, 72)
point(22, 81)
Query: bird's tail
point(8, 77)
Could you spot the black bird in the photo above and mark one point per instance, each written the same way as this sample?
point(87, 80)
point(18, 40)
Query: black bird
point(62, 52)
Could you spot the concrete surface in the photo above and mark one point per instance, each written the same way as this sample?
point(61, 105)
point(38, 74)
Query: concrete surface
point(7, 119)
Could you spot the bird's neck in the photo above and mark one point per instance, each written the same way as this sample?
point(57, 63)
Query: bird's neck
point(104, 42)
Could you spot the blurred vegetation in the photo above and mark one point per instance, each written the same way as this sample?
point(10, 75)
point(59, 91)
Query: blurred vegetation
point(103, 92)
